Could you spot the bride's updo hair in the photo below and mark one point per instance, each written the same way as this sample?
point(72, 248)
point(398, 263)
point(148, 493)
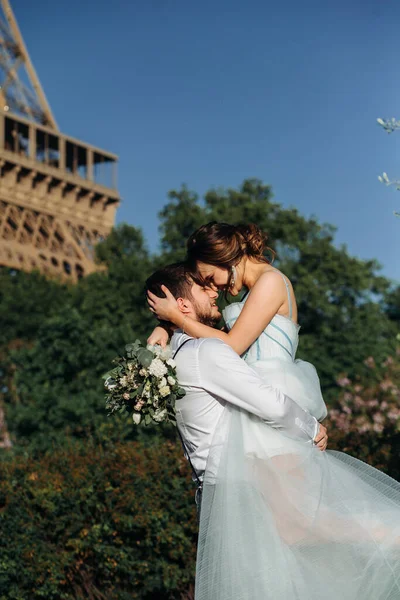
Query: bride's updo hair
point(223, 245)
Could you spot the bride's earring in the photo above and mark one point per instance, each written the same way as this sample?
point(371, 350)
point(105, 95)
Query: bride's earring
point(233, 276)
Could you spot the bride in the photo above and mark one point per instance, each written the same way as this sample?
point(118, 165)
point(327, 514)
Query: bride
point(280, 520)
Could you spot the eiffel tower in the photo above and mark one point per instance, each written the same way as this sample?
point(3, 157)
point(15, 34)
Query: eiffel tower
point(58, 195)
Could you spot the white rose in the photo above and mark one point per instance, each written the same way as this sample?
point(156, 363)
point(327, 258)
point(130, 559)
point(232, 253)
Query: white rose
point(171, 380)
point(157, 368)
point(165, 391)
point(171, 363)
point(136, 418)
point(160, 415)
point(162, 383)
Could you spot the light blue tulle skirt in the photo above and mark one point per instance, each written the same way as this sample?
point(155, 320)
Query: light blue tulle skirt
point(298, 379)
point(281, 520)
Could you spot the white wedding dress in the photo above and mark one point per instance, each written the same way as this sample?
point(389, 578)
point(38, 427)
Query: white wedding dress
point(282, 520)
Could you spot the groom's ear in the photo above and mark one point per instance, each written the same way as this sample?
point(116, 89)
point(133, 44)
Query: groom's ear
point(184, 304)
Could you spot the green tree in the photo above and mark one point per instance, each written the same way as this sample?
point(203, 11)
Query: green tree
point(25, 300)
point(53, 382)
point(116, 296)
point(179, 218)
point(58, 382)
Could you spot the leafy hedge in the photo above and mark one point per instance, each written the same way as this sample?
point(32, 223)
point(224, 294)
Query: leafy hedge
point(366, 420)
point(100, 524)
point(115, 522)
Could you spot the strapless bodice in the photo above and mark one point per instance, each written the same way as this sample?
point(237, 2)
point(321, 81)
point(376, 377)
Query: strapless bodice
point(273, 355)
point(278, 340)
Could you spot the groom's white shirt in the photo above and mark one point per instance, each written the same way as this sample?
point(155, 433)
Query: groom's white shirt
point(213, 375)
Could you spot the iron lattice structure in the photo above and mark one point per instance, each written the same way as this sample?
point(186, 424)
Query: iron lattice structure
point(58, 195)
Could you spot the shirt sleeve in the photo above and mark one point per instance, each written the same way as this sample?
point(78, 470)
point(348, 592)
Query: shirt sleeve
point(224, 374)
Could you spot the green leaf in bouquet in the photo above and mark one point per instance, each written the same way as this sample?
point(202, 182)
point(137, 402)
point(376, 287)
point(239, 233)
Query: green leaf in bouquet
point(111, 373)
point(147, 420)
point(180, 392)
point(171, 417)
point(145, 357)
point(132, 349)
point(133, 394)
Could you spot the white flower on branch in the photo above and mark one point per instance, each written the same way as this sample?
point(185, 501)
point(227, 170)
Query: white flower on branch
point(389, 125)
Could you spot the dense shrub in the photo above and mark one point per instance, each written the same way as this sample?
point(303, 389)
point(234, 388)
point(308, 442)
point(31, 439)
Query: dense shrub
point(366, 421)
point(89, 523)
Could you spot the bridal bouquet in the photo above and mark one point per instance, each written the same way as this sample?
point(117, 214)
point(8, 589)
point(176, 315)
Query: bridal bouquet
point(144, 384)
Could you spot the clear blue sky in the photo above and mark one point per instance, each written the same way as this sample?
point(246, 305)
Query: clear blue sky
point(209, 93)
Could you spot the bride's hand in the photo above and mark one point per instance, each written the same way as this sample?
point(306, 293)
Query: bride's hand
point(321, 439)
point(166, 309)
point(159, 336)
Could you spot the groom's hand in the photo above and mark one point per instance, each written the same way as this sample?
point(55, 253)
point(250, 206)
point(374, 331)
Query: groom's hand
point(321, 439)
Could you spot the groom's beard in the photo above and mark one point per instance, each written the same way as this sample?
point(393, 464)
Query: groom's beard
point(207, 319)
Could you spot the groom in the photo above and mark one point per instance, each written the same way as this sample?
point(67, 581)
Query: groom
point(213, 376)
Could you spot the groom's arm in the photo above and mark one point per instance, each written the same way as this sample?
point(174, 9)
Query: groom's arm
point(224, 374)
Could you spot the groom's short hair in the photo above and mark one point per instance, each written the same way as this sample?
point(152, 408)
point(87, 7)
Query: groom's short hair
point(177, 278)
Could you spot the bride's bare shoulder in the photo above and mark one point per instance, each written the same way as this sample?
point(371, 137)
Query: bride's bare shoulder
point(271, 279)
